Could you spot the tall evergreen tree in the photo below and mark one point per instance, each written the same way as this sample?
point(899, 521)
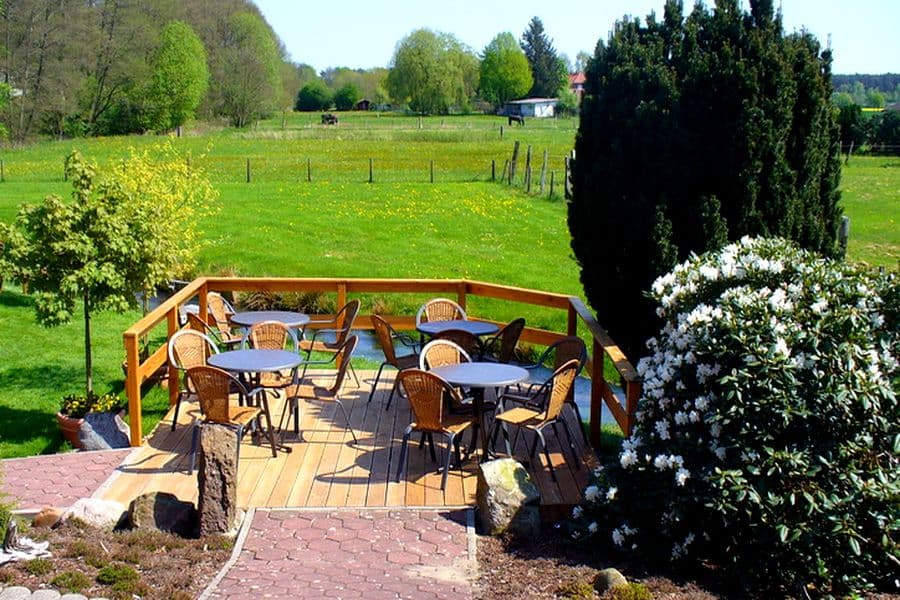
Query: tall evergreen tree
point(696, 130)
point(547, 68)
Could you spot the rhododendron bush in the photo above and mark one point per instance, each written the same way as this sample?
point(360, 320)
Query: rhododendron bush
point(768, 432)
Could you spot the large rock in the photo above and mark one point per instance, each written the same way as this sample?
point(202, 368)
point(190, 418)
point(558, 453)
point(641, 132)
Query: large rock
point(105, 514)
point(507, 498)
point(103, 431)
point(163, 511)
point(217, 479)
point(608, 579)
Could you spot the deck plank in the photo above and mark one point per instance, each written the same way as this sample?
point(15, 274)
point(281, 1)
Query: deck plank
point(325, 469)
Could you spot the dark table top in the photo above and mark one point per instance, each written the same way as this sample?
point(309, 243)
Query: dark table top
point(482, 374)
point(289, 318)
point(252, 360)
point(473, 327)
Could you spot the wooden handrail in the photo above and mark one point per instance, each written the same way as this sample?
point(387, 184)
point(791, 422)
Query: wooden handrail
point(603, 346)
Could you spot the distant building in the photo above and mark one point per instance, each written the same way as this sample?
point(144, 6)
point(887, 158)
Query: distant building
point(363, 104)
point(576, 84)
point(530, 107)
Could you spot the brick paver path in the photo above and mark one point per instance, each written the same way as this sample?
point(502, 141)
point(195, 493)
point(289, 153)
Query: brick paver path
point(57, 479)
point(351, 553)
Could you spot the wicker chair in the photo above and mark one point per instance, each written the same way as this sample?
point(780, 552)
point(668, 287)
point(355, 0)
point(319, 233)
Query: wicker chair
point(188, 348)
point(386, 336)
point(213, 389)
point(556, 390)
point(502, 346)
point(273, 335)
point(342, 325)
point(563, 350)
point(440, 309)
point(221, 310)
point(426, 392)
point(306, 389)
point(438, 353)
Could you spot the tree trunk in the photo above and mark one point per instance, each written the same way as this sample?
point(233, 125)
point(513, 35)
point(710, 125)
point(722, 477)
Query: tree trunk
point(88, 360)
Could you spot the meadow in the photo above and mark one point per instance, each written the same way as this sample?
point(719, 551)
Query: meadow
point(340, 225)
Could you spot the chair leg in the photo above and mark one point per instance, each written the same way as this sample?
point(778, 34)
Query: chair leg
point(346, 420)
point(431, 446)
point(269, 428)
point(447, 455)
point(177, 406)
point(580, 423)
point(375, 383)
point(237, 452)
point(355, 376)
point(540, 436)
point(391, 395)
point(403, 449)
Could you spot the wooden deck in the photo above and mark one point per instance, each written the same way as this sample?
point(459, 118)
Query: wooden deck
point(324, 468)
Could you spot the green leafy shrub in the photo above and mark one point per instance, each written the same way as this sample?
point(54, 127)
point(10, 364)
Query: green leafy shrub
point(120, 577)
point(632, 591)
point(38, 566)
point(576, 590)
point(71, 581)
point(768, 432)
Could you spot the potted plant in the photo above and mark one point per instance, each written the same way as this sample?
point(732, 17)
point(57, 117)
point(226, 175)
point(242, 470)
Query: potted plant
point(74, 407)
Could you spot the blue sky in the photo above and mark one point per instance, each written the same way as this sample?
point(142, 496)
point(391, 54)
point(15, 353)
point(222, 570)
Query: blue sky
point(363, 34)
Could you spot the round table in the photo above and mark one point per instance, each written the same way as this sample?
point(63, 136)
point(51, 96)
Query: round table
point(253, 360)
point(477, 376)
point(251, 317)
point(478, 328)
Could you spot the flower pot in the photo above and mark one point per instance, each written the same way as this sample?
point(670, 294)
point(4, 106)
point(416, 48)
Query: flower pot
point(69, 427)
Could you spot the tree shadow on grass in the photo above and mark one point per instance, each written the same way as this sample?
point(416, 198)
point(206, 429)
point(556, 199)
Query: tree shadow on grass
point(14, 299)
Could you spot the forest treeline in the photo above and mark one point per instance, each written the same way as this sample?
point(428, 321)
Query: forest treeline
point(98, 67)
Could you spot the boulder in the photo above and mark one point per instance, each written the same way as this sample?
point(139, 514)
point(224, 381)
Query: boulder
point(217, 479)
point(508, 499)
point(608, 579)
point(163, 511)
point(103, 431)
point(105, 514)
point(48, 517)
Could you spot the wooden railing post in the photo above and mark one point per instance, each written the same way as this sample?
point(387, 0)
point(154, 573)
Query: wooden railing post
point(133, 388)
point(462, 293)
point(341, 295)
point(572, 327)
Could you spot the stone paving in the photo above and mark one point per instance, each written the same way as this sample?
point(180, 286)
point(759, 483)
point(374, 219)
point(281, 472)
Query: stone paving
point(57, 479)
point(352, 553)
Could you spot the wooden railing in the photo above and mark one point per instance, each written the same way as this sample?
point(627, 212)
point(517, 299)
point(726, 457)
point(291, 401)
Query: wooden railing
point(603, 346)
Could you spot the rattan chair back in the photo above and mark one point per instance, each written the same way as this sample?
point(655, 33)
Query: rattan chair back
point(271, 335)
point(190, 348)
point(213, 387)
point(440, 309)
point(566, 349)
point(342, 361)
point(560, 384)
point(506, 340)
point(426, 397)
point(384, 333)
point(344, 320)
point(220, 309)
point(440, 353)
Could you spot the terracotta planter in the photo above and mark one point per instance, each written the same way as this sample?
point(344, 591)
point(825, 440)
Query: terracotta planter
point(69, 428)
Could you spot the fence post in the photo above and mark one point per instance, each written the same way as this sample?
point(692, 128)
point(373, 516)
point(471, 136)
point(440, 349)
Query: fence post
point(371, 173)
point(2, 174)
point(493, 169)
point(501, 132)
point(432, 171)
point(552, 174)
point(505, 172)
point(308, 170)
point(248, 170)
point(512, 165)
point(66, 169)
point(544, 170)
point(528, 179)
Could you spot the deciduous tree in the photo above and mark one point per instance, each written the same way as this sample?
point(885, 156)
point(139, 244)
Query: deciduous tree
point(180, 76)
point(315, 95)
point(694, 131)
point(505, 73)
point(346, 97)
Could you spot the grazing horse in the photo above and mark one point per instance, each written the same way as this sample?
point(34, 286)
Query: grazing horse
point(329, 119)
point(516, 119)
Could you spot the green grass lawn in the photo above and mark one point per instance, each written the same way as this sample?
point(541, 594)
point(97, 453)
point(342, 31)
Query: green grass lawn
point(339, 225)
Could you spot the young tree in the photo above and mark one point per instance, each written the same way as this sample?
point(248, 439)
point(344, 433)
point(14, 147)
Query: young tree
point(548, 70)
point(505, 73)
point(433, 72)
point(180, 77)
point(117, 236)
point(666, 167)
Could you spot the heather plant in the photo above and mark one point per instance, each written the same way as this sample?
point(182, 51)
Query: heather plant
point(768, 432)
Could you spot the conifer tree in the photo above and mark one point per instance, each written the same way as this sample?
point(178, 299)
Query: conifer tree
point(696, 130)
point(548, 70)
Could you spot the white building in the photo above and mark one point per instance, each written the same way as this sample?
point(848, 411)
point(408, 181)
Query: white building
point(531, 107)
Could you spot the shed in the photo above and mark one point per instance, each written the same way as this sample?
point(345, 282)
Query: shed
point(531, 107)
point(363, 104)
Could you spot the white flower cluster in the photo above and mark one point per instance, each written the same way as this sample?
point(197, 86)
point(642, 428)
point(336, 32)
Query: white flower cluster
point(679, 550)
point(620, 534)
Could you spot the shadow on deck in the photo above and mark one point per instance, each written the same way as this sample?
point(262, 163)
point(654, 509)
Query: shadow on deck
point(324, 468)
